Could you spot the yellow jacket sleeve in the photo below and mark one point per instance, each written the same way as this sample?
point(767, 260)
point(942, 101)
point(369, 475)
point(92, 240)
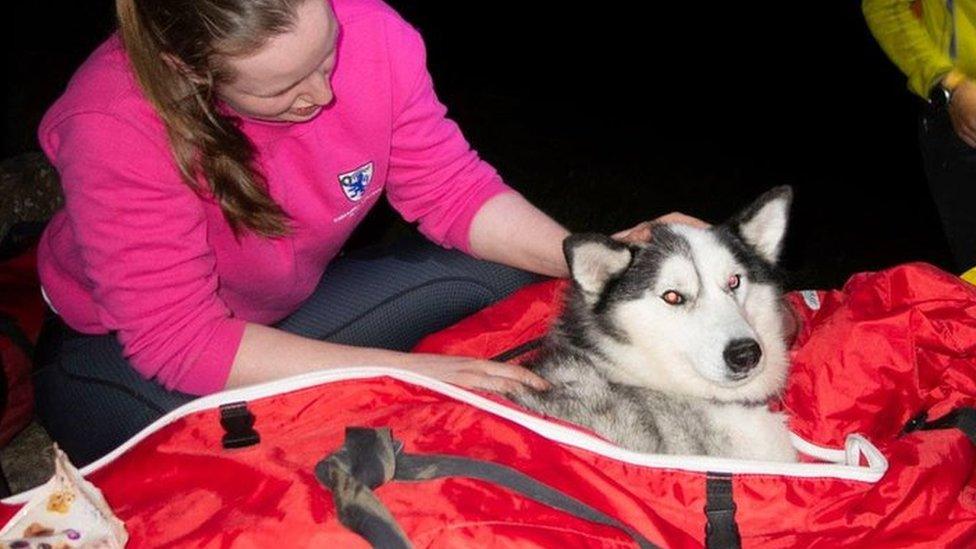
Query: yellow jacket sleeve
point(904, 38)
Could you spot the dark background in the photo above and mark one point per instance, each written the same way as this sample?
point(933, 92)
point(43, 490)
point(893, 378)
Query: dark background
point(605, 115)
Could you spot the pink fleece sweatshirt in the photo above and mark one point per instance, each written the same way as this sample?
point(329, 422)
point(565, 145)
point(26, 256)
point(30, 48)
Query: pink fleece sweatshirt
point(137, 253)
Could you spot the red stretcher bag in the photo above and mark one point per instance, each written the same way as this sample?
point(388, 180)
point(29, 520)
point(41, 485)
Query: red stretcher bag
point(21, 312)
point(880, 398)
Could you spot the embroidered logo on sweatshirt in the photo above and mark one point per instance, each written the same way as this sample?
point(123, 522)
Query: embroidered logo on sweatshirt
point(354, 183)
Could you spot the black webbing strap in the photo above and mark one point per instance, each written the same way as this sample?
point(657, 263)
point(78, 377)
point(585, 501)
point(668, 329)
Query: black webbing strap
point(721, 531)
point(371, 457)
point(963, 419)
point(516, 352)
point(9, 328)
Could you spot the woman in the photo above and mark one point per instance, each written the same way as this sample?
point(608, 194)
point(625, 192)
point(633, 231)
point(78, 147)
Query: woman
point(214, 160)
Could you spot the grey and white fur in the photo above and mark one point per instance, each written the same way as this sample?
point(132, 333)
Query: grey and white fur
point(675, 346)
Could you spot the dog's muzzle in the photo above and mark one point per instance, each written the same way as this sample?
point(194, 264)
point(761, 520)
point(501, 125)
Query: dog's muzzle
point(742, 355)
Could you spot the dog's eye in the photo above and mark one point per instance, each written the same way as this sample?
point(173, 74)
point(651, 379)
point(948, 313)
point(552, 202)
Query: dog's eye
point(672, 297)
point(735, 281)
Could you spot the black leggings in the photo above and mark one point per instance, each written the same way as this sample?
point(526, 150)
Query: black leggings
point(91, 400)
point(950, 166)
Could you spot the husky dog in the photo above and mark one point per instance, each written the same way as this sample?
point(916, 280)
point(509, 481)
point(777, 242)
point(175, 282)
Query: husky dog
point(675, 346)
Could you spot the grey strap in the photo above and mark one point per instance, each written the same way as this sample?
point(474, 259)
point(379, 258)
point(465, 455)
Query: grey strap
point(365, 461)
point(370, 457)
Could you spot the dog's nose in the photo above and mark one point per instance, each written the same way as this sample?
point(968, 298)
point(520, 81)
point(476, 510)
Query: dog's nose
point(742, 355)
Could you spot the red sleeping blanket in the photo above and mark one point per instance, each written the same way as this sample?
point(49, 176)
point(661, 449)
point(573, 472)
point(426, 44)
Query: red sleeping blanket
point(867, 360)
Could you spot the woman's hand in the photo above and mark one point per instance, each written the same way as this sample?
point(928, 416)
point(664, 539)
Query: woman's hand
point(472, 373)
point(642, 232)
point(962, 111)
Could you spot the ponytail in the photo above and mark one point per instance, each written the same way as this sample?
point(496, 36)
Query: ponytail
point(177, 75)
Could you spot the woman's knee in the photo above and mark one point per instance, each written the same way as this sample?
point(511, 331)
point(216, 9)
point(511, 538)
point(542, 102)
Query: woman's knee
point(90, 399)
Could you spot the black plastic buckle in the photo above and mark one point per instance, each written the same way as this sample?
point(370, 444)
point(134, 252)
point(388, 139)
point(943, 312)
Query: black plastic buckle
point(238, 424)
point(721, 530)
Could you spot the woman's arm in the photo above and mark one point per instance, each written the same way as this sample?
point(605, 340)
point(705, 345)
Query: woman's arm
point(267, 353)
point(903, 38)
point(509, 230)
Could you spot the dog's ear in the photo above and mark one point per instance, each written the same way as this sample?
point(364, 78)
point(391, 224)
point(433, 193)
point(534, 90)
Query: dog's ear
point(763, 224)
point(594, 259)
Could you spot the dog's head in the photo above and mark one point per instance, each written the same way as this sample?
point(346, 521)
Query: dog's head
point(695, 311)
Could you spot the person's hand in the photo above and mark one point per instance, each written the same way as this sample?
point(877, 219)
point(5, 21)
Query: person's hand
point(472, 373)
point(962, 111)
point(642, 231)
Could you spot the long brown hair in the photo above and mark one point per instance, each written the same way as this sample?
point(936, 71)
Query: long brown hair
point(176, 48)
